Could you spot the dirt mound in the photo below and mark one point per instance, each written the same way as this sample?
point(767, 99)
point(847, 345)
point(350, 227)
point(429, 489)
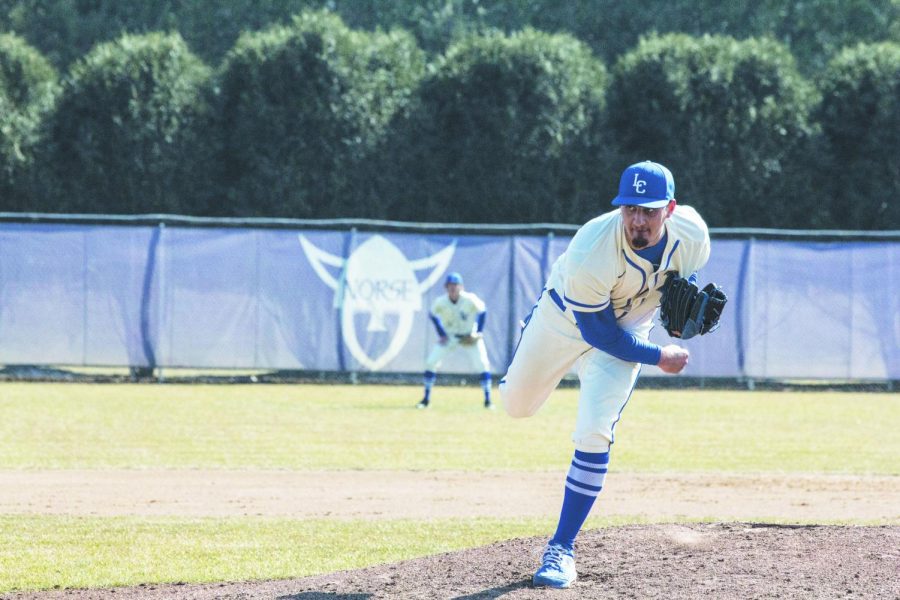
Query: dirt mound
point(730, 560)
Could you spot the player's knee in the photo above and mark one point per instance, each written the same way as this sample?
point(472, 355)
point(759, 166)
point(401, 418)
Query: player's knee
point(518, 411)
point(516, 402)
point(592, 442)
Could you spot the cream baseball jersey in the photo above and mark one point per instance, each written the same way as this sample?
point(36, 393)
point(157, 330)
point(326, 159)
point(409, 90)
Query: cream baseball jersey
point(461, 317)
point(599, 268)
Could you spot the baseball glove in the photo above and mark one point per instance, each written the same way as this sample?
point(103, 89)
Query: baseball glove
point(469, 340)
point(686, 310)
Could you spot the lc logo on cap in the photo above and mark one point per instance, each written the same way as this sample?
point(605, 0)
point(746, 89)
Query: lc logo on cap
point(640, 185)
point(647, 184)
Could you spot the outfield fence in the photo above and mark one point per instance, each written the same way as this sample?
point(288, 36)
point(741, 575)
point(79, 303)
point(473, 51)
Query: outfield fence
point(163, 291)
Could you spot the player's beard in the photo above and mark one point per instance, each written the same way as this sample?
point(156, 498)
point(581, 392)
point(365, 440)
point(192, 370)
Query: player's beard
point(639, 241)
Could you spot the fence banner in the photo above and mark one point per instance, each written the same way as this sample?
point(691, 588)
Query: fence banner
point(346, 300)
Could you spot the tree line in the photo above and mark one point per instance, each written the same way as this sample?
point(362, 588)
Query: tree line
point(814, 30)
point(311, 118)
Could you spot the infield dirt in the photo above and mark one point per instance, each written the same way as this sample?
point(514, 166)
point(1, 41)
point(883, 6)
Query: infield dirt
point(747, 558)
point(720, 560)
point(440, 494)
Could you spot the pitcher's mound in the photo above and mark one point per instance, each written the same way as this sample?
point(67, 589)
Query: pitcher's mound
point(720, 560)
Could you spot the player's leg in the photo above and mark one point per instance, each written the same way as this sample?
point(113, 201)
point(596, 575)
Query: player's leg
point(549, 346)
point(478, 357)
point(606, 385)
point(435, 357)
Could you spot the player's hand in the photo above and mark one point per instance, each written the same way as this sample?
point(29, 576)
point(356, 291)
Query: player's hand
point(469, 340)
point(673, 358)
point(443, 340)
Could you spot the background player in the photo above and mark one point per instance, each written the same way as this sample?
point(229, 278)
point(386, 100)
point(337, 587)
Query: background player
point(458, 318)
point(595, 314)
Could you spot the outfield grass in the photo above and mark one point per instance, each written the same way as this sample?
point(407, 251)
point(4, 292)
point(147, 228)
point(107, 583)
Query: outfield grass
point(77, 426)
point(308, 427)
point(41, 552)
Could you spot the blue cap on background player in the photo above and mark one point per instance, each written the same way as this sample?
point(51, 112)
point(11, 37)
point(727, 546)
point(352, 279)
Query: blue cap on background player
point(646, 184)
point(453, 278)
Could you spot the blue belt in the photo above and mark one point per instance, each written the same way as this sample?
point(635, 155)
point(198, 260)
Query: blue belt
point(556, 299)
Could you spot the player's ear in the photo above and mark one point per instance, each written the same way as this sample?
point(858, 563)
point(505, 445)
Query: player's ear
point(670, 208)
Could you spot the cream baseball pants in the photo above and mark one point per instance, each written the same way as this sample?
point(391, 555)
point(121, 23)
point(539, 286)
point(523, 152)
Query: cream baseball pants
point(550, 346)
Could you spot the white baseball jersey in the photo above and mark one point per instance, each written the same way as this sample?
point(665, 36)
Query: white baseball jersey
point(459, 318)
point(599, 268)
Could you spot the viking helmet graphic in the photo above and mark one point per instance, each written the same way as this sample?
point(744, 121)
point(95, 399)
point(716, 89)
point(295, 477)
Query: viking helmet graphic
point(379, 280)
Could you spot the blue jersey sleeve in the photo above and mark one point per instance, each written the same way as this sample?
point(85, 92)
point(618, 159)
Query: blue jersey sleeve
point(438, 326)
point(600, 330)
point(479, 321)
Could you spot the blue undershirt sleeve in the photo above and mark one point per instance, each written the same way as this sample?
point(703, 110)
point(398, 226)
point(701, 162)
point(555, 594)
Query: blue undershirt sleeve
point(600, 330)
point(438, 326)
point(479, 320)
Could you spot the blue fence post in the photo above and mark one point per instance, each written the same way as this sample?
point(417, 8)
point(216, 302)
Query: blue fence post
point(740, 303)
point(349, 247)
point(147, 294)
point(512, 318)
point(258, 268)
point(85, 270)
point(545, 258)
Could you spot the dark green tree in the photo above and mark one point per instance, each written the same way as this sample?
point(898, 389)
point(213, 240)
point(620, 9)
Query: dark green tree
point(505, 129)
point(860, 119)
point(123, 137)
point(212, 27)
point(730, 118)
point(817, 31)
point(301, 107)
point(28, 89)
point(65, 30)
point(814, 30)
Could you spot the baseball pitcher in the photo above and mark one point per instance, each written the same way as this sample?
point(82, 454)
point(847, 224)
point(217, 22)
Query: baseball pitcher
point(595, 314)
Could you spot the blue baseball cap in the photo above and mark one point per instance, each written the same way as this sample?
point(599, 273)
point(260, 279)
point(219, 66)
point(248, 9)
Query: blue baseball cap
point(646, 184)
point(453, 278)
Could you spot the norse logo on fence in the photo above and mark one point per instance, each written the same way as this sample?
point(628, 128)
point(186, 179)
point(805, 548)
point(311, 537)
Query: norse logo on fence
point(378, 280)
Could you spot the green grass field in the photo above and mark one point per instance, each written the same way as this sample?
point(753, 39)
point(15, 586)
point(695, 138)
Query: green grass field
point(296, 427)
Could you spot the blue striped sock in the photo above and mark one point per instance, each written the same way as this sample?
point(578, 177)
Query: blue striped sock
point(429, 379)
point(583, 483)
point(486, 385)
